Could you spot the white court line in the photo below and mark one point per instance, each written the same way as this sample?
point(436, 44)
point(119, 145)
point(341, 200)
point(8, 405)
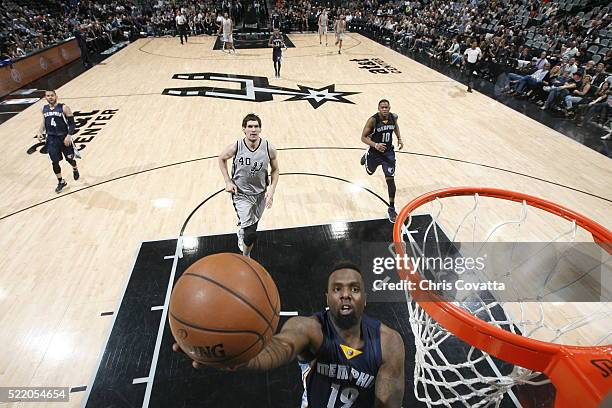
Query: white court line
point(157, 307)
point(140, 380)
point(110, 329)
point(170, 256)
point(160, 331)
point(289, 313)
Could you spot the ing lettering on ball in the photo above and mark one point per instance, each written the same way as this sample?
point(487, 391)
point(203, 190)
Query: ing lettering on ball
point(215, 351)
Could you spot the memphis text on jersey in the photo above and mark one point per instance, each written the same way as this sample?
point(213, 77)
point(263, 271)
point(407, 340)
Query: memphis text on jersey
point(344, 372)
point(385, 128)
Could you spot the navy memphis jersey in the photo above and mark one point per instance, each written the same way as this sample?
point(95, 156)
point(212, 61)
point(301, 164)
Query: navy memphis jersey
point(55, 123)
point(341, 376)
point(383, 132)
point(277, 42)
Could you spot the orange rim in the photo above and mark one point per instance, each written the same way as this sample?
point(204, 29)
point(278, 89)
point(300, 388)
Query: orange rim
point(578, 369)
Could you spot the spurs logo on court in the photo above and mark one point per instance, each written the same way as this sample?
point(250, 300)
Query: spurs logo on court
point(256, 89)
point(87, 125)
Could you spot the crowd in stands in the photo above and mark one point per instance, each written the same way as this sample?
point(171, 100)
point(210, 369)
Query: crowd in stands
point(27, 26)
point(557, 53)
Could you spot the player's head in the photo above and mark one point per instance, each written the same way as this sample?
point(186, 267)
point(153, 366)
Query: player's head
point(51, 96)
point(345, 295)
point(251, 126)
point(383, 107)
point(276, 31)
point(225, 15)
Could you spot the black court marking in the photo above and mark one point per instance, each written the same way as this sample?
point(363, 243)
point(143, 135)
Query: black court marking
point(107, 313)
point(296, 80)
point(258, 57)
point(307, 148)
point(298, 259)
point(245, 41)
point(78, 389)
point(254, 89)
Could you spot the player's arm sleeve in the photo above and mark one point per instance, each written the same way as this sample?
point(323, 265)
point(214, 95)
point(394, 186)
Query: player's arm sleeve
point(298, 334)
point(390, 382)
point(69, 120)
point(367, 131)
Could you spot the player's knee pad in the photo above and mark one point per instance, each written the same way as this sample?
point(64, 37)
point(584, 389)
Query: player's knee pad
point(391, 185)
point(250, 234)
point(56, 167)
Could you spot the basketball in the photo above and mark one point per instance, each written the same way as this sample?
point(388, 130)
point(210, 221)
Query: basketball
point(224, 309)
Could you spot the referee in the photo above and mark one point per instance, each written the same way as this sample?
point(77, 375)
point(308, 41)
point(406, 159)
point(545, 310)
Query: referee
point(181, 25)
point(472, 56)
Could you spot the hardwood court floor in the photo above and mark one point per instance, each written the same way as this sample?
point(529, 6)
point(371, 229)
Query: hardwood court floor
point(66, 257)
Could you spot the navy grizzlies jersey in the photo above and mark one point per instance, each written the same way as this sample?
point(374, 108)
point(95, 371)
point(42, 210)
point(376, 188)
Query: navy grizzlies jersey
point(55, 123)
point(340, 376)
point(277, 42)
point(383, 132)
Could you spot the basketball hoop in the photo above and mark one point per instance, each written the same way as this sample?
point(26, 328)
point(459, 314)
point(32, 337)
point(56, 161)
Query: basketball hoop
point(582, 375)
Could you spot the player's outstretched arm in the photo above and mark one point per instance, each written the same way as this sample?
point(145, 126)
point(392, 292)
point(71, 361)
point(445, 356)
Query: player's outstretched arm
point(299, 334)
point(226, 154)
point(70, 122)
point(389, 388)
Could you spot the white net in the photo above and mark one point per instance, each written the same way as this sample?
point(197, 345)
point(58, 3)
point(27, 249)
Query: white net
point(554, 292)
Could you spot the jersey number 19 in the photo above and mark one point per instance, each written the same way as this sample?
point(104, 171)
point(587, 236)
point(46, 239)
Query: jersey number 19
point(347, 397)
